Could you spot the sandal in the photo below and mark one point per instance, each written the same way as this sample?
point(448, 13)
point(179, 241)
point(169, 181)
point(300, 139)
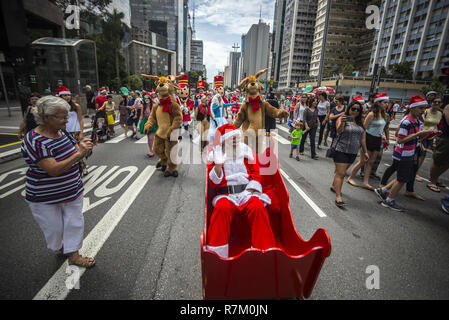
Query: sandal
point(83, 262)
point(340, 204)
point(352, 183)
point(433, 187)
point(441, 185)
point(369, 188)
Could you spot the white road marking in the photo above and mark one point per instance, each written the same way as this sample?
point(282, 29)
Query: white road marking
point(283, 129)
point(281, 139)
point(318, 211)
point(143, 140)
point(9, 128)
point(117, 139)
point(10, 152)
point(55, 288)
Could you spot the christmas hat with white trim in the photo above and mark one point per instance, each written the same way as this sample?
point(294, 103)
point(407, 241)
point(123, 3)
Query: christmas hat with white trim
point(63, 90)
point(225, 132)
point(381, 97)
point(359, 99)
point(417, 101)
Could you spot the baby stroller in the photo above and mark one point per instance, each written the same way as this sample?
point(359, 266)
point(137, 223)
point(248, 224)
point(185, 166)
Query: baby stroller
point(100, 127)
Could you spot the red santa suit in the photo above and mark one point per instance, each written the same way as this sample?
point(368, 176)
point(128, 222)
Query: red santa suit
point(238, 175)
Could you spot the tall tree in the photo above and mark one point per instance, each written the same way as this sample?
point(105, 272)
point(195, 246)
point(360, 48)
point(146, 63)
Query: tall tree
point(114, 32)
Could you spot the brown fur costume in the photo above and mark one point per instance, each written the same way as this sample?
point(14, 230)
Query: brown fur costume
point(204, 125)
point(167, 122)
point(250, 120)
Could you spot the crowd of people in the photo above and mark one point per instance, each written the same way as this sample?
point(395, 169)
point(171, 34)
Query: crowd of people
point(363, 128)
point(54, 145)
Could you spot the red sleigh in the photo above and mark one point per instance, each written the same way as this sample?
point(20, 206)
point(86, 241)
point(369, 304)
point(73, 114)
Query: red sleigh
point(288, 271)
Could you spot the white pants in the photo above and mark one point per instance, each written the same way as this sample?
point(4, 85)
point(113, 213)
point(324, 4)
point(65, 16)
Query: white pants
point(62, 224)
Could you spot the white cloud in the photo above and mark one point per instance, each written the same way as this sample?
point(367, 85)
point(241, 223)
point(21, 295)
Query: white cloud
point(222, 24)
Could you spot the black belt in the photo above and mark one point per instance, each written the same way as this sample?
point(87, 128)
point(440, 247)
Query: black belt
point(232, 189)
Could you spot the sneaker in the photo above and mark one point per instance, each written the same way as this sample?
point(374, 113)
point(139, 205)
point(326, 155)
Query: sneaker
point(297, 158)
point(382, 195)
point(392, 205)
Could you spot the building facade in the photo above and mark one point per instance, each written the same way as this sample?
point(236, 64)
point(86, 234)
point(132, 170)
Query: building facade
point(149, 59)
point(297, 41)
point(278, 35)
point(412, 31)
point(233, 62)
point(196, 55)
point(341, 37)
point(164, 17)
point(256, 48)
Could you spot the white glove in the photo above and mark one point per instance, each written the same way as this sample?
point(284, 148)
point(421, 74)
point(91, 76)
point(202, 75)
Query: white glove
point(219, 156)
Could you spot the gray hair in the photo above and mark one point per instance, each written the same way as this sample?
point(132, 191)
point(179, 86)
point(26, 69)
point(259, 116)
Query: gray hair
point(49, 106)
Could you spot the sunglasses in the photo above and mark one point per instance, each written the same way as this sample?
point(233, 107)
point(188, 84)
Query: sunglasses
point(355, 109)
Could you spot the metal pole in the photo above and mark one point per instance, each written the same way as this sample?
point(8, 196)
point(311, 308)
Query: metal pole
point(4, 90)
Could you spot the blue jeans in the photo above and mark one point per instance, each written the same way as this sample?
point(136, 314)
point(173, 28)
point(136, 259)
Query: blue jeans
point(445, 201)
point(312, 135)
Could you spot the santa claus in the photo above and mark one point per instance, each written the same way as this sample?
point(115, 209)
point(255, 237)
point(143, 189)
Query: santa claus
point(234, 174)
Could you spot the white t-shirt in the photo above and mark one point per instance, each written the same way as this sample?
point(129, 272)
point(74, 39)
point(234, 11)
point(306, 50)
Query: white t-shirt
point(322, 108)
point(300, 112)
point(396, 108)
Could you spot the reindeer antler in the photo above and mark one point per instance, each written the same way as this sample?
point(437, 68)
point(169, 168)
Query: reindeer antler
point(150, 77)
point(243, 81)
point(261, 72)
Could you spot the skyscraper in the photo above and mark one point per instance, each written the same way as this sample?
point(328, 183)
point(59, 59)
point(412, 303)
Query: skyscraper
point(164, 17)
point(341, 37)
point(278, 35)
point(233, 63)
point(415, 31)
point(256, 47)
point(297, 41)
point(196, 55)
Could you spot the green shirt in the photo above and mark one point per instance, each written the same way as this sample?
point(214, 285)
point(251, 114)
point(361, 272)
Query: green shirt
point(296, 137)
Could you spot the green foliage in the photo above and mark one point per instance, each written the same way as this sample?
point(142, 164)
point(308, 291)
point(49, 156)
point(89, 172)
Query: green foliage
point(435, 85)
point(134, 82)
point(194, 76)
point(402, 70)
point(348, 70)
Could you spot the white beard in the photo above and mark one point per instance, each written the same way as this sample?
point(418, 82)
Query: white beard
point(232, 154)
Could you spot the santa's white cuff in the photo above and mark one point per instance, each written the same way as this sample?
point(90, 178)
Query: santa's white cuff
point(254, 185)
point(214, 178)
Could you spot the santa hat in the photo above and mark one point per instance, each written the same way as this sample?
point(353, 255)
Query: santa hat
point(184, 81)
point(218, 81)
point(417, 101)
point(359, 99)
point(63, 90)
point(381, 97)
point(103, 90)
point(224, 133)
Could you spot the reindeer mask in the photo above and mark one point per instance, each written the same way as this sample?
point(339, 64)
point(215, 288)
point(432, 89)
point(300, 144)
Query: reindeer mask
point(251, 86)
point(165, 86)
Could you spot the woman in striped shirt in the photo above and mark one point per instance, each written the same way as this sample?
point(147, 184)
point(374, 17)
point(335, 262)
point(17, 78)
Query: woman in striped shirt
point(54, 189)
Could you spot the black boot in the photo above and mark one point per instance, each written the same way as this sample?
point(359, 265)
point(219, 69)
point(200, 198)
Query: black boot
point(163, 168)
point(175, 174)
point(158, 165)
point(167, 174)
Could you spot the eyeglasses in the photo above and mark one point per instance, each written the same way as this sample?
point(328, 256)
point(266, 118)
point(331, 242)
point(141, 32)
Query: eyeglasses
point(61, 118)
point(355, 109)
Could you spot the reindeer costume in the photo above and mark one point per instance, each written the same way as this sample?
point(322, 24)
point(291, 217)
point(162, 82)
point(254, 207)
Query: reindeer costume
point(251, 116)
point(167, 115)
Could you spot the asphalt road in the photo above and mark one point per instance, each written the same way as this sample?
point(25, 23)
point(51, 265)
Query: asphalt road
point(144, 231)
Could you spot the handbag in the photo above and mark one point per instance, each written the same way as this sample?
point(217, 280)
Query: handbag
point(110, 119)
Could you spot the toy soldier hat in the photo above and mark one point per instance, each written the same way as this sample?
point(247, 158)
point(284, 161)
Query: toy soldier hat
point(184, 81)
point(218, 81)
point(201, 84)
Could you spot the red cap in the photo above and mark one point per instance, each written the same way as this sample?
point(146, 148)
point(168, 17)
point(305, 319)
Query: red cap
point(218, 81)
point(184, 81)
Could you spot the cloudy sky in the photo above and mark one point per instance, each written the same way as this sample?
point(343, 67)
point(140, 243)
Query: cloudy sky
point(221, 23)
